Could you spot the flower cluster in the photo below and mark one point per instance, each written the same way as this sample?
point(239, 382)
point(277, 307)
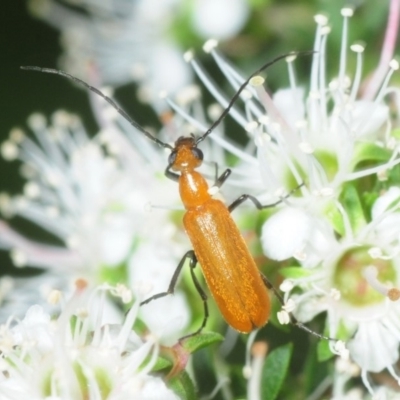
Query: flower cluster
point(124, 41)
point(81, 191)
point(339, 142)
point(85, 352)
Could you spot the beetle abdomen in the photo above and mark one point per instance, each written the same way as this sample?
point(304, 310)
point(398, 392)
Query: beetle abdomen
point(228, 267)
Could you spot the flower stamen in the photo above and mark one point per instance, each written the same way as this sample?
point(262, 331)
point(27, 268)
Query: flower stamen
point(259, 351)
point(370, 274)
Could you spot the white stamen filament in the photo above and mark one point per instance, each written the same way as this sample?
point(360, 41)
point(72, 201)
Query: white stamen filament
point(358, 49)
point(365, 119)
point(366, 383)
point(393, 373)
point(346, 13)
point(259, 352)
point(292, 79)
point(274, 132)
point(236, 80)
point(269, 105)
point(234, 77)
point(215, 91)
point(219, 140)
point(322, 85)
point(393, 66)
point(370, 274)
point(247, 366)
point(315, 68)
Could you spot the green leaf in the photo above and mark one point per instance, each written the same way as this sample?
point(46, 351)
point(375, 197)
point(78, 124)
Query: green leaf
point(353, 207)
point(275, 370)
point(201, 340)
point(295, 272)
point(161, 363)
point(115, 274)
point(395, 133)
point(314, 371)
point(335, 218)
point(369, 152)
point(324, 353)
point(183, 386)
point(257, 4)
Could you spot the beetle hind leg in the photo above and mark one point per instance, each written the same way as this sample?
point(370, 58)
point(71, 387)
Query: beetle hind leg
point(174, 279)
point(203, 296)
point(171, 288)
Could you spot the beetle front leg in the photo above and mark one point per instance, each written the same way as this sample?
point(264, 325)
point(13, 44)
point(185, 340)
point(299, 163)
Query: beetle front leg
point(221, 179)
point(171, 175)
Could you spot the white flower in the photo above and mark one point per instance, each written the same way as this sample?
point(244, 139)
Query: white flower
point(91, 194)
point(78, 355)
point(293, 232)
point(338, 144)
point(355, 281)
point(310, 135)
point(80, 193)
point(116, 43)
point(219, 19)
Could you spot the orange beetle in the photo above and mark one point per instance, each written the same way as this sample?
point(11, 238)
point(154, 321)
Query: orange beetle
point(230, 271)
point(237, 285)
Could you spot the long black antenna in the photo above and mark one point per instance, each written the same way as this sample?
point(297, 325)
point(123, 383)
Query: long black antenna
point(110, 101)
point(242, 87)
point(141, 129)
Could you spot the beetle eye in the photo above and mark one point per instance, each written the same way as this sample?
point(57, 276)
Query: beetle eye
point(197, 153)
point(172, 158)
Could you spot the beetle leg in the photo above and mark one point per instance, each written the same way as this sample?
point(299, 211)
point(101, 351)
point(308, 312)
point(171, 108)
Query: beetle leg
point(203, 296)
point(215, 167)
point(171, 175)
point(193, 262)
point(171, 287)
point(221, 179)
point(256, 202)
point(293, 319)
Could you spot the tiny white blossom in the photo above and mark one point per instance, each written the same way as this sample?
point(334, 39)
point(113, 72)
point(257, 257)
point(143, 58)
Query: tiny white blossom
point(116, 43)
point(78, 355)
point(328, 141)
point(94, 203)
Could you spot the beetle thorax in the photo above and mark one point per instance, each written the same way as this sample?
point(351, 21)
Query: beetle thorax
point(193, 189)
